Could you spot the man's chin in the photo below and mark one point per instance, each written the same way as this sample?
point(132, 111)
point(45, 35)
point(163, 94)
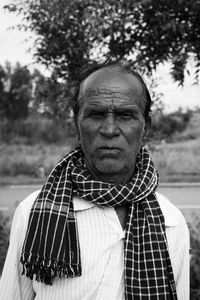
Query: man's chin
point(111, 171)
point(109, 166)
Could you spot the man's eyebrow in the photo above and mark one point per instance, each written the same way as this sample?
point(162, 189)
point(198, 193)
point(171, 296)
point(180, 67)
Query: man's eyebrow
point(127, 108)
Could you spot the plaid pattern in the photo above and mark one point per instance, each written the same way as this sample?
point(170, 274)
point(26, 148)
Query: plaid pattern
point(51, 247)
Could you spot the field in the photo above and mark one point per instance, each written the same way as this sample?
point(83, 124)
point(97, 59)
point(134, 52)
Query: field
point(25, 164)
point(179, 161)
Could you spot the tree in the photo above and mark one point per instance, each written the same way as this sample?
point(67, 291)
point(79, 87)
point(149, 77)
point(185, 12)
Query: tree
point(52, 98)
point(71, 32)
point(2, 96)
point(15, 92)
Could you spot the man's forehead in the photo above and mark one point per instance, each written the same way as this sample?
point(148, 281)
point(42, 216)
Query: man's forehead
point(111, 80)
point(110, 92)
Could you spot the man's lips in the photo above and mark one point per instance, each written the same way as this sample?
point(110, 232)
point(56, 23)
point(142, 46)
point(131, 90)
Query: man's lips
point(109, 147)
point(108, 151)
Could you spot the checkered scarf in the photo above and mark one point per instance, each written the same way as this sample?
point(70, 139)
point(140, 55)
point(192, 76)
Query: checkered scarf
point(51, 247)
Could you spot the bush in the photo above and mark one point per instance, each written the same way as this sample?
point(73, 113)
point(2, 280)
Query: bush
point(34, 130)
point(165, 126)
point(195, 259)
point(4, 239)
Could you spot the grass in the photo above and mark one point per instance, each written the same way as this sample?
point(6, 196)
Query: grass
point(25, 164)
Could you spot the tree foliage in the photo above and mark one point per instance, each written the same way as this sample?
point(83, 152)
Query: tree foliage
point(52, 98)
point(22, 92)
point(15, 91)
point(72, 33)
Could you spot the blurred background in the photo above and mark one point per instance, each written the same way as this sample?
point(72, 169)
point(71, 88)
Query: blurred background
point(44, 45)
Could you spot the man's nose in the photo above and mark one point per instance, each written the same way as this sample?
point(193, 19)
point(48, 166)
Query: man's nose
point(109, 127)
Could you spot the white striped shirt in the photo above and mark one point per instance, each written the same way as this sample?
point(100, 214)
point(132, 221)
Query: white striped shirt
point(101, 243)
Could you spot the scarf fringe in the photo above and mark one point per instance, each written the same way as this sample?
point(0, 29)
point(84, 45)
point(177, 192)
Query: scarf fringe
point(47, 270)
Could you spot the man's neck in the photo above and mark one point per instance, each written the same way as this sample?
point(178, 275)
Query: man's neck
point(122, 215)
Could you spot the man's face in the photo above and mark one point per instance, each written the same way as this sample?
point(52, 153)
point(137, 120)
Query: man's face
point(111, 125)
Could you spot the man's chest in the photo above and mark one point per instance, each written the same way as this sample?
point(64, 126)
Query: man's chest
point(101, 241)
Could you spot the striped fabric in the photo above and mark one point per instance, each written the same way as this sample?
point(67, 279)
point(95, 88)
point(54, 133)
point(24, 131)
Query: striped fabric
point(51, 247)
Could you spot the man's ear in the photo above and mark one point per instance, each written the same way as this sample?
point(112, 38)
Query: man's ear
point(76, 128)
point(146, 131)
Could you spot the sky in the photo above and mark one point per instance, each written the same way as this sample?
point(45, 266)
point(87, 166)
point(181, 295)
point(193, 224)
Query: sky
point(15, 47)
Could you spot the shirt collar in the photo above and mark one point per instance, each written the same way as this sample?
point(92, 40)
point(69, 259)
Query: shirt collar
point(81, 204)
point(165, 205)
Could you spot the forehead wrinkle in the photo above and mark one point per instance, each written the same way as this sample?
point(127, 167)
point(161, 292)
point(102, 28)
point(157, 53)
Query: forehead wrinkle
point(111, 92)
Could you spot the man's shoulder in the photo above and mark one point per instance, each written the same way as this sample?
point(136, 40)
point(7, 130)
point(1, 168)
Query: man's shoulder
point(26, 204)
point(173, 216)
point(22, 212)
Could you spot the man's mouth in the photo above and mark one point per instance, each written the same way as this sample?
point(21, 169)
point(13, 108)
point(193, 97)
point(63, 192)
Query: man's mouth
point(108, 151)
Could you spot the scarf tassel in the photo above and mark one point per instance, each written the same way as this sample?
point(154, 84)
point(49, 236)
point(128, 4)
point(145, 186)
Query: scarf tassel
point(46, 271)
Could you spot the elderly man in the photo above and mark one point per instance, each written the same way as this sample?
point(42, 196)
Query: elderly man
point(98, 229)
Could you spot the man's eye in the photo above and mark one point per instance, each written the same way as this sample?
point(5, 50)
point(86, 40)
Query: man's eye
point(96, 114)
point(125, 115)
